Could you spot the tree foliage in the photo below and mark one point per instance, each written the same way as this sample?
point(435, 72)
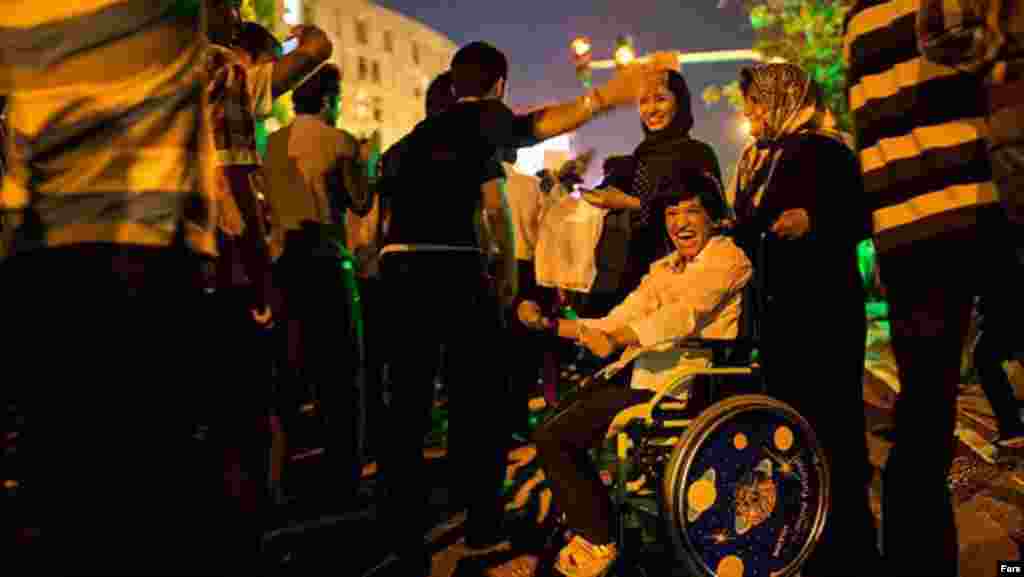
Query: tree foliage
point(805, 32)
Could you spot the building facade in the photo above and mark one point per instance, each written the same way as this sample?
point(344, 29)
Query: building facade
point(387, 61)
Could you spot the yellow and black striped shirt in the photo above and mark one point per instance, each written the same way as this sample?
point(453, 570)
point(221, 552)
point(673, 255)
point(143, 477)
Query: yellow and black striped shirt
point(107, 138)
point(921, 128)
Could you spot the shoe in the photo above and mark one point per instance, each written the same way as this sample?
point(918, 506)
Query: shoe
point(580, 558)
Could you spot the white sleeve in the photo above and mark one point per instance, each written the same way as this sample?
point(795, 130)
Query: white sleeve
point(261, 89)
point(716, 278)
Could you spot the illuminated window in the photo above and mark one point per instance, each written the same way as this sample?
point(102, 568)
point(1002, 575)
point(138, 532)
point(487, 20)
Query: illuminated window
point(292, 12)
point(376, 72)
point(378, 112)
point(364, 69)
point(362, 32)
point(416, 54)
point(417, 91)
point(389, 42)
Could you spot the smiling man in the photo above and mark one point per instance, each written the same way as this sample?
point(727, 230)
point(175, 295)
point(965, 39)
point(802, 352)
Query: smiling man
point(694, 292)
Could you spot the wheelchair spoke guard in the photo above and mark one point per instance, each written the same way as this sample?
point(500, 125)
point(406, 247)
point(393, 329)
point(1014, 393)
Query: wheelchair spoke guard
point(746, 490)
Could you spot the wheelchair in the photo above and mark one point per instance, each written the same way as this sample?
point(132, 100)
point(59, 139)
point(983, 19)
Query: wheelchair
point(742, 488)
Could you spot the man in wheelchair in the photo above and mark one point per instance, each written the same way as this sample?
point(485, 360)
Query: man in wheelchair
point(695, 291)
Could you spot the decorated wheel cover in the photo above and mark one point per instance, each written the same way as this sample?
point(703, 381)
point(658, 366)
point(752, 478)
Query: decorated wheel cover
point(746, 490)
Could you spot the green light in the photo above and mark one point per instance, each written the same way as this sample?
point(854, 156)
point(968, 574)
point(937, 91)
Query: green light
point(347, 265)
point(570, 314)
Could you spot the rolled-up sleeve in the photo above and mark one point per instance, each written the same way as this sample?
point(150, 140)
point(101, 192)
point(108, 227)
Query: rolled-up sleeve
point(630, 309)
point(710, 282)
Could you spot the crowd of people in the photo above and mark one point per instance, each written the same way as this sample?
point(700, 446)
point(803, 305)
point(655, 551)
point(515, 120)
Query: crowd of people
point(175, 287)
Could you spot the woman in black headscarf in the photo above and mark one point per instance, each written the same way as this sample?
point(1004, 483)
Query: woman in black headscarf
point(800, 186)
point(666, 151)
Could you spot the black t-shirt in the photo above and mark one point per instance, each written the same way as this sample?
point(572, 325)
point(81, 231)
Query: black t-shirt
point(432, 177)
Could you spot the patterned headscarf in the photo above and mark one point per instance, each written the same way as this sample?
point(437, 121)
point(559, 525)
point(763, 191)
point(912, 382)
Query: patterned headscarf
point(793, 107)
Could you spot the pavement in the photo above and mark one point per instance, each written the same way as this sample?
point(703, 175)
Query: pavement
point(989, 502)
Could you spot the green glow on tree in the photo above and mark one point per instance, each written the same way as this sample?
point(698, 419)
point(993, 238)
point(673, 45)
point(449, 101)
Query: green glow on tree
point(805, 32)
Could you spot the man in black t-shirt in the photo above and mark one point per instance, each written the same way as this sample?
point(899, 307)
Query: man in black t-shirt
point(434, 281)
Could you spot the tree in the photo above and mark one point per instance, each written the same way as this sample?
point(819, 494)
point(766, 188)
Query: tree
point(808, 33)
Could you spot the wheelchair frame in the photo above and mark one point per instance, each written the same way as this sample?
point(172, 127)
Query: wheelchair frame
point(632, 447)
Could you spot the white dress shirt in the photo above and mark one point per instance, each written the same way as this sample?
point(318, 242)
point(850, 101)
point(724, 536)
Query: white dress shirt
point(700, 298)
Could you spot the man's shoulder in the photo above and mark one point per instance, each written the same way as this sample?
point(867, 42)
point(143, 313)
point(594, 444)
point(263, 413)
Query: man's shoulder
point(721, 247)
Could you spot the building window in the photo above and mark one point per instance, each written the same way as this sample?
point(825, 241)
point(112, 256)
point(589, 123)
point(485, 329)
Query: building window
point(378, 112)
point(362, 32)
point(292, 12)
point(389, 42)
point(418, 92)
point(364, 69)
point(415, 54)
point(376, 72)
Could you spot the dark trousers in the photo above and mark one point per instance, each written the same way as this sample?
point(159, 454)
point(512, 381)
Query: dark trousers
point(108, 355)
point(563, 443)
point(930, 307)
point(822, 377)
point(993, 349)
point(435, 299)
point(324, 357)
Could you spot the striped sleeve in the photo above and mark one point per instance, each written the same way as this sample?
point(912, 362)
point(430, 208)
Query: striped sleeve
point(953, 33)
point(921, 128)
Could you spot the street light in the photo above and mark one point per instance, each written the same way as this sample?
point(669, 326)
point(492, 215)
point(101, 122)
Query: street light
point(745, 128)
point(582, 52)
point(624, 51)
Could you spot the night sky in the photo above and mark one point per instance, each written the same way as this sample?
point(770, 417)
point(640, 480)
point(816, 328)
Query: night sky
point(535, 35)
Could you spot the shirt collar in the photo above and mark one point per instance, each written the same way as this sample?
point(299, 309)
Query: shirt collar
point(675, 262)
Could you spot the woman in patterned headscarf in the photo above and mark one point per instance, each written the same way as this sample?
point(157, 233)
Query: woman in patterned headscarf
point(667, 149)
point(800, 185)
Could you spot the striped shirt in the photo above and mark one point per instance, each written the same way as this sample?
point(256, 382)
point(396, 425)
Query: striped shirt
point(921, 128)
point(106, 138)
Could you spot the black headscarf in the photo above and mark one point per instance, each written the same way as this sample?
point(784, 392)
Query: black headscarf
point(662, 141)
point(667, 152)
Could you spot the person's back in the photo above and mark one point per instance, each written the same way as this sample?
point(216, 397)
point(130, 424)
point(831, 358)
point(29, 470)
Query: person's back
point(439, 179)
point(83, 166)
point(108, 188)
point(300, 160)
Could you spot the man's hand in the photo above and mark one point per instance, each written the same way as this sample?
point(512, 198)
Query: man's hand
point(597, 342)
point(792, 224)
point(632, 81)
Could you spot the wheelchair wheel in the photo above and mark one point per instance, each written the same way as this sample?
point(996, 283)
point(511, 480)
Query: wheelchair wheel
point(746, 491)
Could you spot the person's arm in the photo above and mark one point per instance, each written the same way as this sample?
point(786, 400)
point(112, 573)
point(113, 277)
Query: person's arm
point(502, 128)
point(292, 69)
point(710, 283)
point(601, 336)
point(611, 198)
point(805, 182)
point(495, 211)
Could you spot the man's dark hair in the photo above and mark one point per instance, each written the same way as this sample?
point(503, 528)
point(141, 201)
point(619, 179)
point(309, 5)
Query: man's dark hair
point(310, 97)
point(257, 41)
point(476, 68)
point(440, 94)
point(687, 185)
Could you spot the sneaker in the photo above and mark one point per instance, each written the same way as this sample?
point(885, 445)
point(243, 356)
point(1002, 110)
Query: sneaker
point(580, 558)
